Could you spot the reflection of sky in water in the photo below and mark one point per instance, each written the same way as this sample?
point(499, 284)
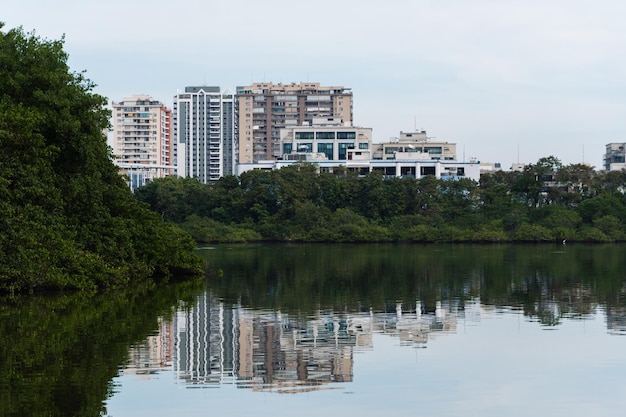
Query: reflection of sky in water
point(491, 364)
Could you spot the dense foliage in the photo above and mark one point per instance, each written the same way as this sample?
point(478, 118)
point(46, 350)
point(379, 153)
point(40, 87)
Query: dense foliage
point(545, 202)
point(67, 218)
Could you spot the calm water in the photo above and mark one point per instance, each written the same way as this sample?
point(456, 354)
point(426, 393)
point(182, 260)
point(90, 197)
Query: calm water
point(305, 330)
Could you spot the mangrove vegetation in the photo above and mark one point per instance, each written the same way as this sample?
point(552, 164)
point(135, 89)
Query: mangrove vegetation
point(67, 217)
point(546, 202)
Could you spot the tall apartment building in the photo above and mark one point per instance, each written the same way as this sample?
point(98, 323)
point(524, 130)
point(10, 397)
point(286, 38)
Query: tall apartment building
point(142, 143)
point(204, 129)
point(265, 108)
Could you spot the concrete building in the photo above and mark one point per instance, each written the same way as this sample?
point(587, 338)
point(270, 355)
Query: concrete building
point(265, 108)
point(329, 145)
point(329, 137)
point(416, 145)
point(615, 157)
point(141, 139)
point(389, 168)
point(205, 127)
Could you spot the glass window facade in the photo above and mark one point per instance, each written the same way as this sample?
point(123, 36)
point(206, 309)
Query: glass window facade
point(346, 135)
point(304, 135)
point(325, 135)
point(343, 150)
point(326, 149)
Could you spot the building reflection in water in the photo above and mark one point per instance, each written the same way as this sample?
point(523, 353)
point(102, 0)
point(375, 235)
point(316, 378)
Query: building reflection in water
point(210, 344)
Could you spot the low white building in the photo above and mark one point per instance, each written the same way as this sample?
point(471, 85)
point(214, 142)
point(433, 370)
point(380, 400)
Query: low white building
point(415, 146)
point(330, 144)
point(389, 168)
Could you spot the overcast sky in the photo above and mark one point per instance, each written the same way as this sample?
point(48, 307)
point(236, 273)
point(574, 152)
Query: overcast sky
point(507, 81)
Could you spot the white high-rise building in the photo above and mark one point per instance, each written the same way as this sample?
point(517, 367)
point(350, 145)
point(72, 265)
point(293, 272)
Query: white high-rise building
point(141, 139)
point(204, 133)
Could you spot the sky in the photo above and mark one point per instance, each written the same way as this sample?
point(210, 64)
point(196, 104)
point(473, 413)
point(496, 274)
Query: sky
point(506, 80)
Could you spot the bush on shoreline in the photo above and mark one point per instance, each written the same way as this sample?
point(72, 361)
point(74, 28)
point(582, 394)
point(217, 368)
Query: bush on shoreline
point(297, 203)
point(67, 217)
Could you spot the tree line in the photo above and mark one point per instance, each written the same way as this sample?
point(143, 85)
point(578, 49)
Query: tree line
point(546, 202)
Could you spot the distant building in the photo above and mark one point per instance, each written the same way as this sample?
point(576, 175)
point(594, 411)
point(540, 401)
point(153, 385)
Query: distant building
point(204, 131)
point(331, 145)
point(518, 167)
point(490, 167)
point(329, 137)
point(615, 157)
point(416, 145)
point(265, 108)
point(142, 143)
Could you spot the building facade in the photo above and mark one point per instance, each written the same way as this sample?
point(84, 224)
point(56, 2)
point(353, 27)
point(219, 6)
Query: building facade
point(615, 157)
point(265, 108)
point(416, 145)
point(205, 129)
point(141, 139)
point(331, 145)
point(328, 137)
point(447, 170)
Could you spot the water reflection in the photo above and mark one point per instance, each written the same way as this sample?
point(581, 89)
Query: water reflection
point(210, 343)
point(291, 318)
point(60, 352)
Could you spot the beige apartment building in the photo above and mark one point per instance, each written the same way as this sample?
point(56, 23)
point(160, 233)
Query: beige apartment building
point(266, 108)
point(141, 139)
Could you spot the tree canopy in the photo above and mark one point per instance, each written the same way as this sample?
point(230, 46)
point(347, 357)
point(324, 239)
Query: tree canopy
point(67, 217)
point(545, 202)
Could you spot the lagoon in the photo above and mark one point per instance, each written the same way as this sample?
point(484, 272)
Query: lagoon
point(307, 330)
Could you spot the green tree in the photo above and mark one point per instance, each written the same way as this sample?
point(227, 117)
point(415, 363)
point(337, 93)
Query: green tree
point(68, 219)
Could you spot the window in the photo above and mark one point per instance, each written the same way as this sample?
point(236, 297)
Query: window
point(325, 135)
point(326, 149)
point(346, 135)
point(391, 150)
point(343, 150)
point(304, 135)
point(427, 171)
point(363, 145)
